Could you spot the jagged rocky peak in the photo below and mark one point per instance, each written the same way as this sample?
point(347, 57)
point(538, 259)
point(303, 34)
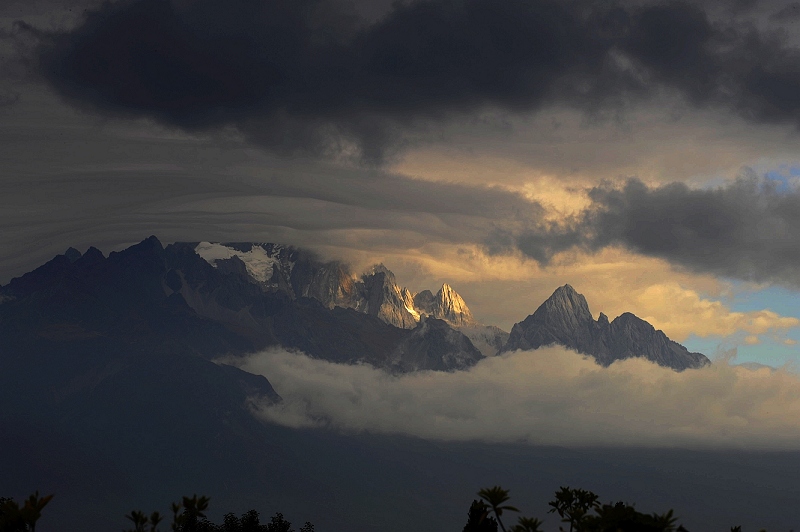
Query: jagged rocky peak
point(382, 272)
point(566, 307)
point(384, 299)
point(564, 319)
point(401, 307)
point(451, 307)
point(276, 267)
point(446, 305)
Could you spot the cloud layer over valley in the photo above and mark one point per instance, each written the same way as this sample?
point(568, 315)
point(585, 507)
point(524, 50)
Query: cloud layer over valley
point(551, 396)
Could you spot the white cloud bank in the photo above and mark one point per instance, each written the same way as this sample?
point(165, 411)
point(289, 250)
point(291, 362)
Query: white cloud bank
point(551, 396)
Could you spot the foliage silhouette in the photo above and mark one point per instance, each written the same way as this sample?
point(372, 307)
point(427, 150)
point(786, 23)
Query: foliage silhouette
point(527, 524)
point(579, 508)
point(573, 506)
point(495, 497)
point(621, 517)
point(493, 500)
point(478, 519)
point(189, 516)
point(16, 518)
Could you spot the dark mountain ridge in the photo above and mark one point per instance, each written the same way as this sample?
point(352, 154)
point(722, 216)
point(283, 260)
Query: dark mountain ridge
point(148, 297)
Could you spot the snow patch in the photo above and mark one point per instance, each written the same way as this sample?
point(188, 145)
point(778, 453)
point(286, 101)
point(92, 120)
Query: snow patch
point(257, 261)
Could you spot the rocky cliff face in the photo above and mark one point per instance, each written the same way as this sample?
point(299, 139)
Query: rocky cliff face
point(565, 319)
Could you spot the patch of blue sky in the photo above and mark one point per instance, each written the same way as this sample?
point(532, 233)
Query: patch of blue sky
point(770, 351)
point(785, 177)
point(774, 348)
point(777, 299)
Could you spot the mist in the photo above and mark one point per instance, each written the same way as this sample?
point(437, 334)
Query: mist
point(551, 396)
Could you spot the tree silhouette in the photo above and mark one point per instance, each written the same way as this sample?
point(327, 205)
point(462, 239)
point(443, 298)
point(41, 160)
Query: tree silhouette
point(278, 524)
point(495, 497)
point(16, 518)
point(527, 524)
point(573, 506)
point(478, 519)
point(189, 516)
point(580, 508)
point(621, 517)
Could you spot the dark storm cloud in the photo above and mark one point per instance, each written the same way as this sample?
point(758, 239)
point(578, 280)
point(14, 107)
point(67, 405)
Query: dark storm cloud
point(790, 11)
point(748, 230)
point(314, 76)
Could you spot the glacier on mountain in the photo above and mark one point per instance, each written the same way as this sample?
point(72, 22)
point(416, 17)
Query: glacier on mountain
point(260, 260)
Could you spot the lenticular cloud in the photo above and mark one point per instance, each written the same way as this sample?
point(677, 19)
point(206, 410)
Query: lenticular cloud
point(551, 396)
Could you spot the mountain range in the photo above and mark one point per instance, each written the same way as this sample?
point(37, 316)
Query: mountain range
point(564, 319)
point(110, 395)
point(213, 299)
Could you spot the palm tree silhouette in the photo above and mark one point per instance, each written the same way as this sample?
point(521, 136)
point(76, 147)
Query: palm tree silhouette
point(495, 497)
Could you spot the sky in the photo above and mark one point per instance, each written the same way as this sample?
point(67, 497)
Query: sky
point(644, 152)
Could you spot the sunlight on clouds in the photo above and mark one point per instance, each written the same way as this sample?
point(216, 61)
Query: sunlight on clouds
point(657, 144)
point(547, 397)
point(560, 201)
point(424, 259)
point(681, 311)
point(560, 196)
point(752, 340)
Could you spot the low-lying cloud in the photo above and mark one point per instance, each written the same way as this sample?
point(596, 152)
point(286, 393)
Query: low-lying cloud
point(551, 396)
